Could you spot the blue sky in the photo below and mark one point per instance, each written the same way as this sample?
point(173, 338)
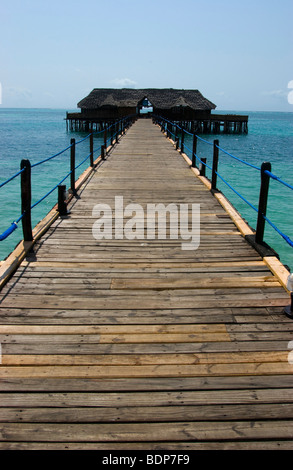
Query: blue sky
point(239, 54)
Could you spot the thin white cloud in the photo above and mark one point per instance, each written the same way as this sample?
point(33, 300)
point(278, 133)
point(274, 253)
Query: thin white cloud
point(275, 93)
point(19, 93)
point(124, 82)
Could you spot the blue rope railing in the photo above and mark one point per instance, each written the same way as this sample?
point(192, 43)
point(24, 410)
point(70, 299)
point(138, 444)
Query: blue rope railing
point(286, 238)
point(51, 191)
point(237, 192)
point(119, 126)
point(203, 140)
point(51, 158)
point(8, 231)
point(11, 178)
point(198, 158)
point(274, 177)
point(183, 131)
point(239, 159)
point(11, 229)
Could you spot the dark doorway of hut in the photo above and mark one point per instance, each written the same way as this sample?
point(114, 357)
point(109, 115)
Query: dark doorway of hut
point(145, 108)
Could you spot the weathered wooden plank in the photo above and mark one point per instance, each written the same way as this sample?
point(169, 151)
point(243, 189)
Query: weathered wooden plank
point(170, 370)
point(154, 446)
point(183, 283)
point(142, 359)
point(75, 348)
point(59, 302)
point(112, 329)
point(128, 414)
point(118, 338)
point(205, 431)
point(174, 385)
point(166, 264)
point(175, 396)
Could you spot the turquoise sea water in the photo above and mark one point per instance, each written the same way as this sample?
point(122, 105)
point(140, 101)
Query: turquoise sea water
point(36, 134)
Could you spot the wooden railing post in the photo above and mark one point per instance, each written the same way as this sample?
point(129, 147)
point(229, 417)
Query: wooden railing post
point(111, 135)
point(202, 167)
point(194, 147)
point(103, 152)
point(117, 131)
point(182, 140)
point(26, 197)
point(168, 130)
point(72, 165)
point(215, 165)
point(105, 138)
point(263, 200)
point(62, 206)
point(92, 149)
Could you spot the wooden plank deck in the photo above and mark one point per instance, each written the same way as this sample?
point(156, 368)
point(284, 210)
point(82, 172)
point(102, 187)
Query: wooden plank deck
point(138, 344)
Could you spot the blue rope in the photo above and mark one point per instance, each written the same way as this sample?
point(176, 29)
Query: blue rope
point(13, 226)
point(59, 153)
point(9, 231)
point(239, 159)
point(205, 141)
point(186, 132)
point(236, 192)
point(55, 187)
point(278, 179)
point(98, 132)
point(50, 158)
point(19, 218)
point(205, 164)
point(97, 150)
point(11, 178)
point(88, 156)
point(79, 142)
point(286, 238)
point(49, 192)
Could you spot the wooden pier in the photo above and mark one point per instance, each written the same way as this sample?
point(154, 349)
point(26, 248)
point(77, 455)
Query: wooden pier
point(137, 344)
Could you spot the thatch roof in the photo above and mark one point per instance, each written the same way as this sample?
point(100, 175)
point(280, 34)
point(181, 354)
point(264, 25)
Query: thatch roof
point(165, 98)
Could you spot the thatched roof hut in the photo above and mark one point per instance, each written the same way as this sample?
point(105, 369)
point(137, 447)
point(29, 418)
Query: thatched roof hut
point(109, 103)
